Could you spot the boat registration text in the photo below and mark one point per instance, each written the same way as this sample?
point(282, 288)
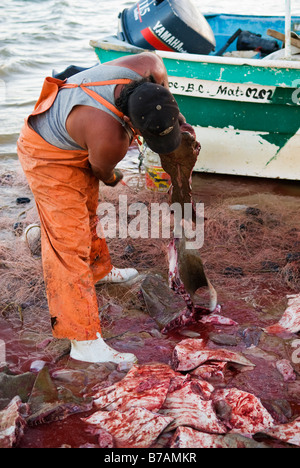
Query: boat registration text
point(220, 90)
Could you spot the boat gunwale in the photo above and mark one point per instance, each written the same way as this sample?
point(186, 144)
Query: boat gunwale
point(185, 57)
point(229, 60)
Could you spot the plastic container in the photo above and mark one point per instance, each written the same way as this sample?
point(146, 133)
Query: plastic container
point(156, 179)
point(171, 25)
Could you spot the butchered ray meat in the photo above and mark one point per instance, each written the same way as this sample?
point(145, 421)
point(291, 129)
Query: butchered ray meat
point(192, 352)
point(143, 386)
point(242, 412)
point(289, 433)
point(186, 272)
point(47, 403)
point(186, 437)
point(290, 321)
point(185, 265)
point(12, 423)
point(187, 406)
point(135, 428)
point(180, 164)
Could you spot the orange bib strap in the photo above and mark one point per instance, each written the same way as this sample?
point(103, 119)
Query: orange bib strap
point(97, 97)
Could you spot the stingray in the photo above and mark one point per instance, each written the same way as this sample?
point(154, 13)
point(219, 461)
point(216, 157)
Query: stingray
point(163, 304)
point(187, 407)
point(180, 164)
point(12, 385)
point(186, 273)
point(171, 306)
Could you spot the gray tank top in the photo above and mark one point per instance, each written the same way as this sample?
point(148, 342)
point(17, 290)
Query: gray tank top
point(51, 125)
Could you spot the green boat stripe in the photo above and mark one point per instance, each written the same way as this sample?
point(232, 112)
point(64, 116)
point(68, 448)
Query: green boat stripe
point(259, 117)
point(233, 73)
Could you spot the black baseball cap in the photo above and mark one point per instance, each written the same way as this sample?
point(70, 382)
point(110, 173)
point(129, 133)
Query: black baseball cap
point(154, 111)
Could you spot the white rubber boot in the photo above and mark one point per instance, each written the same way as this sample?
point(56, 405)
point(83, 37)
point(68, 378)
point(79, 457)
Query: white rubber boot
point(119, 275)
point(98, 351)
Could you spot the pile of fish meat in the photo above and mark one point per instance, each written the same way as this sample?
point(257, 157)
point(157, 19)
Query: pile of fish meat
point(28, 399)
point(173, 406)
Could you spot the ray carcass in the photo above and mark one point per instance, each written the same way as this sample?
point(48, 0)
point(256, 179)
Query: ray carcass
point(290, 321)
point(172, 305)
point(173, 309)
point(47, 403)
point(148, 401)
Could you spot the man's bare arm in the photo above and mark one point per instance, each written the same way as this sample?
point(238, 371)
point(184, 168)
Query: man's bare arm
point(104, 156)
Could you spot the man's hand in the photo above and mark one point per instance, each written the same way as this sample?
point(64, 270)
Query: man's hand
point(116, 178)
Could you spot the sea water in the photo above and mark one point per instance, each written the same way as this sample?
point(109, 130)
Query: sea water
point(37, 36)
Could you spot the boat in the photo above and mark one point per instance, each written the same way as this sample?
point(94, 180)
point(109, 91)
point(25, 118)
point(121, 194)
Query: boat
point(243, 104)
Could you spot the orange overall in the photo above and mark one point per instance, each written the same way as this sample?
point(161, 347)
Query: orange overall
point(66, 194)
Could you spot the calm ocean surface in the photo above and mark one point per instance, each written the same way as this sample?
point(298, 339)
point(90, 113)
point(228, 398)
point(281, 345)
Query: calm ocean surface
point(37, 36)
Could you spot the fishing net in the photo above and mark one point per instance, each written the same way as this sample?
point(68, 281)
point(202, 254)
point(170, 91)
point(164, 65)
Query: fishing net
point(251, 240)
point(252, 236)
